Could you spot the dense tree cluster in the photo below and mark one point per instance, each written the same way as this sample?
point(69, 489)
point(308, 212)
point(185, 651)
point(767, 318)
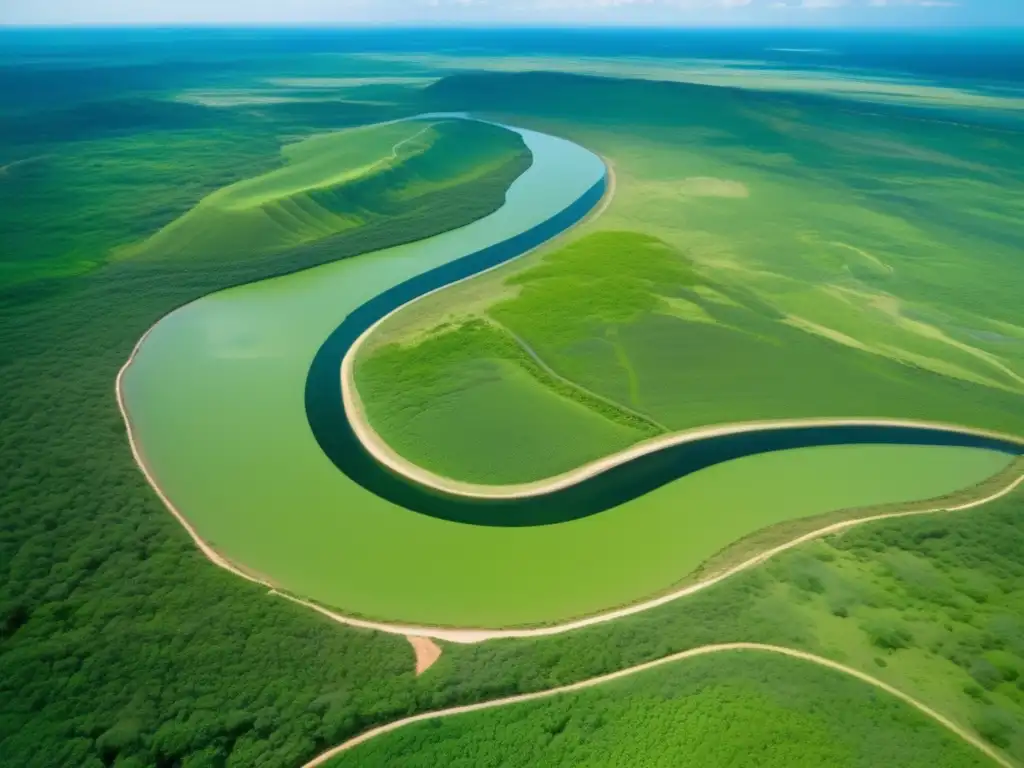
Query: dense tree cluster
point(737, 708)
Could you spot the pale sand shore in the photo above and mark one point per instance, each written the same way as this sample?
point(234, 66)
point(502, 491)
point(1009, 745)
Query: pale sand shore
point(482, 634)
point(387, 456)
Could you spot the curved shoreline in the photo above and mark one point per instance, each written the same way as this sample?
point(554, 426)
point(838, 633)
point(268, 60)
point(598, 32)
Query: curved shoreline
point(386, 455)
point(468, 635)
point(479, 635)
point(427, 492)
point(703, 650)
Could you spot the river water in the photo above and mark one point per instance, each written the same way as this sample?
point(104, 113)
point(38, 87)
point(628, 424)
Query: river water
point(218, 400)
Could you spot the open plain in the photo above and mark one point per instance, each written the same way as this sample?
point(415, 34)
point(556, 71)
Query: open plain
point(623, 291)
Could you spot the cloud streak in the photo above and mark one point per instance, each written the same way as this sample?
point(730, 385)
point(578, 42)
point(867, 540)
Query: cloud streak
point(562, 12)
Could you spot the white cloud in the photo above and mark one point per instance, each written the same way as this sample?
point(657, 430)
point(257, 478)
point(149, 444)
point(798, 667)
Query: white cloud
point(677, 4)
point(917, 3)
point(436, 12)
point(811, 5)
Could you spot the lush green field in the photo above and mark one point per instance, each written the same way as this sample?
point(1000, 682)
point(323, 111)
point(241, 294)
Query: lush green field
point(365, 188)
point(119, 643)
point(934, 605)
point(417, 396)
point(736, 708)
point(749, 267)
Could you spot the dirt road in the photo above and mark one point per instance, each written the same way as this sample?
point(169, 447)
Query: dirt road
point(705, 650)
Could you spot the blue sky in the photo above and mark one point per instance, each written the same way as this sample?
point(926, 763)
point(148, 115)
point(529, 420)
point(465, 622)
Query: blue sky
point(845, 13)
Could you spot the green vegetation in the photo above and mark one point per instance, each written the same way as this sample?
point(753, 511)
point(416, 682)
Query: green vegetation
point(763, 257)
point(364, 188)
point(801, 74)
point(630, 320)
point(934, 605)
point(710, 711)
point(237, 362)
point(602, 311)
point(628, 316)
point(799, 598)
point(119, 643)
point(79, 183)
point(449, 384)
point(64, 207)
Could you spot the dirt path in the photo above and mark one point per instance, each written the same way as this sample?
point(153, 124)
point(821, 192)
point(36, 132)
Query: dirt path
point(426, 650)
point(963, 733)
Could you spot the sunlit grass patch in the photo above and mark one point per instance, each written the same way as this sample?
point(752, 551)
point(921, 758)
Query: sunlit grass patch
point(393, 174)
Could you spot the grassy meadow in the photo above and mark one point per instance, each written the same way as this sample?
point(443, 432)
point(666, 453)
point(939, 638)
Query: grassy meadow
point(761, 258)
point(930, 605)
point(96, 158)
point(363, 188)
point(416, 398)
point(721, 710)
point(121, 645)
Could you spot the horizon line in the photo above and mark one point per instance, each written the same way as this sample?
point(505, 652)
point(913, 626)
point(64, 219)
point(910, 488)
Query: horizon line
point(499, 26)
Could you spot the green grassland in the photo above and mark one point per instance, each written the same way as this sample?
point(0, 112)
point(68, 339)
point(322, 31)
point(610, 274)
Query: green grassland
point(416, 398)
point(65, 206)
point(935, 629)
point(762, 258)
point(97, 170)
point(737, 708)
point(364, 188)
point(927, 97)
point(119, 643)
point(934, 605)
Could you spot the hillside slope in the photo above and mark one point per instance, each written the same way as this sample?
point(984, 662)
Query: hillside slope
point(369, 187)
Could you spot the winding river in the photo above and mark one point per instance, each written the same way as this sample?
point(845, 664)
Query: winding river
point(235, 409)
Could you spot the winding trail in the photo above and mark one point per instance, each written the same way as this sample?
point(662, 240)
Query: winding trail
point(704, 650)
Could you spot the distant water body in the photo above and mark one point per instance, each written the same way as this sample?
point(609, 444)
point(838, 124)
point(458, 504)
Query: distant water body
point(996, 56)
